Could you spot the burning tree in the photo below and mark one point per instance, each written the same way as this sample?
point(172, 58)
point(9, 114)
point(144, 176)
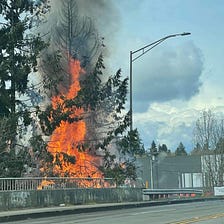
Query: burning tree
point(65, 120)
point(85, 118)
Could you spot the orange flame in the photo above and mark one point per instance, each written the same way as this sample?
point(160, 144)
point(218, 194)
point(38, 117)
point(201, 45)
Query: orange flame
point(66, 138)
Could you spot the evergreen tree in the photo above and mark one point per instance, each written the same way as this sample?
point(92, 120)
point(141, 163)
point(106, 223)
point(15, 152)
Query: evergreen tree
point(180, 151)
point(197, 150)
point(163, 148)
point(19, 50)
point(153, 148)
point(131, 144)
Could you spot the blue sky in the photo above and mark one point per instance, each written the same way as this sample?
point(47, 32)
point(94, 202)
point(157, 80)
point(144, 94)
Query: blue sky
point(178, 79)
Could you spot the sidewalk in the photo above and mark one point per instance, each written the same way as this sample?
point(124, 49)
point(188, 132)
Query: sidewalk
point(16, 215)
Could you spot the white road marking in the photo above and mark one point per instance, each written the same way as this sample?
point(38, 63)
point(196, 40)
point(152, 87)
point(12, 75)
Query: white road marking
point(155, 211)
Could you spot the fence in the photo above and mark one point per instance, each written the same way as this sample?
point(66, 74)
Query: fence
point(40, 183)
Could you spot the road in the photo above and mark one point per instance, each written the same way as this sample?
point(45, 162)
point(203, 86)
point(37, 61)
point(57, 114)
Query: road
point(211, 212)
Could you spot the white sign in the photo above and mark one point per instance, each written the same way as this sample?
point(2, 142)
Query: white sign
point(219, 191)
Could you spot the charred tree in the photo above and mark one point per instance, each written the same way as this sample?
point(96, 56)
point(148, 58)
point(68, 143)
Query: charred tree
point(73, 36)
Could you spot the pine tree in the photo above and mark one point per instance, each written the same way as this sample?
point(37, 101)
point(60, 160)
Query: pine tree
point(197, 150)
point(131, 144)
point(180, 151)
point(153, 148)
point(163, 148)
point(19, 50)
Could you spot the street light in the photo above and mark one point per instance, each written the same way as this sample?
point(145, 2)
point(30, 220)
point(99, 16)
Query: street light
point(144, 50)
point(153, 162)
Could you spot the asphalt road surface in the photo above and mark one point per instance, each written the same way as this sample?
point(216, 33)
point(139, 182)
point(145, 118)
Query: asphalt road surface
point(210, 212)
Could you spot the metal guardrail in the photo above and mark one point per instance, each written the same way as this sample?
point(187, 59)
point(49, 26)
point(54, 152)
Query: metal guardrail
point(41, 183)
point(51, 183)
point(172, 191)
point(168, 193)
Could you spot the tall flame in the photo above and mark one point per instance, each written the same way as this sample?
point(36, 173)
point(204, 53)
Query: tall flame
point(66, 138)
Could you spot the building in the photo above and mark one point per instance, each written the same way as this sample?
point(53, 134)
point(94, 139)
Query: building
point(170, 172)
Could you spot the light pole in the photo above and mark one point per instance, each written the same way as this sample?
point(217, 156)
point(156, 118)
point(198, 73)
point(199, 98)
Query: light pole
point(144, 50)
point(151, 173)
point(153, 163)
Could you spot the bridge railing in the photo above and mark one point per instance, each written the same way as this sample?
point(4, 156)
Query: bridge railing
point(41, 183)
point(50, 183)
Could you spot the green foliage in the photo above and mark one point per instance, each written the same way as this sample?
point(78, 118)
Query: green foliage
point(11, 165)
point(6, 124)
point(120, 172)
point(40, 156)
point(95, 94)
point(131, 144)
point(19, 51)
point(51, 71)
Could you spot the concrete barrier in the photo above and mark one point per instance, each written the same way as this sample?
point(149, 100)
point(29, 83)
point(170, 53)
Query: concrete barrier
point(46, 198)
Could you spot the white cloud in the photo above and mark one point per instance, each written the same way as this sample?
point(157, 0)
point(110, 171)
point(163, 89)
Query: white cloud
point(170, 123)
point(165, 123)
point(167, 75)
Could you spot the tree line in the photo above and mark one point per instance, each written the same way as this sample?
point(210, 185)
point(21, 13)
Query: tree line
point(180, 150)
